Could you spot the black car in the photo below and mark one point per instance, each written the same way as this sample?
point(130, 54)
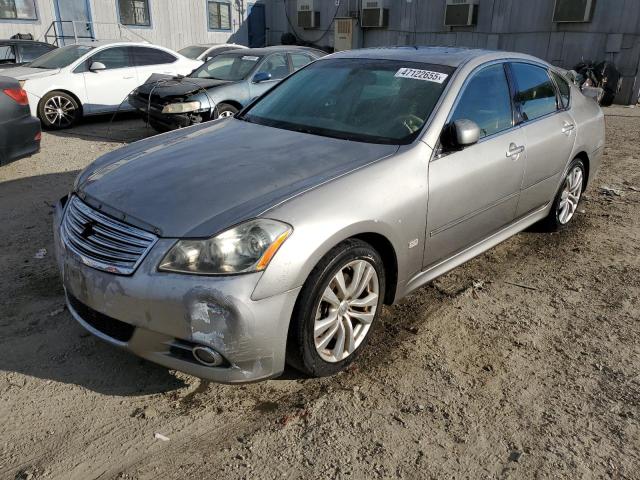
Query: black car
point(19, 131)
point(16, 52)
point(219, 88)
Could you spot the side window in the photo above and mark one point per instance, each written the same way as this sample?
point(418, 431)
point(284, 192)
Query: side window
point(299, 60)
point(7, 54)
point(31, 52)
point(563, 88)
point(276, 65)
point(486, 101)
point(536, 94)
point(143, 56)
point(116, 57)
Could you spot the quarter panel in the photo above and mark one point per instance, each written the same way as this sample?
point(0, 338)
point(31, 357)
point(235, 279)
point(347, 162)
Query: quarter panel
point(388, 197)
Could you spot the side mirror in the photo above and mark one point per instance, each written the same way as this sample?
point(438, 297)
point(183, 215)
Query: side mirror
point(461, 133)
point(97, 66)
point(261, 77)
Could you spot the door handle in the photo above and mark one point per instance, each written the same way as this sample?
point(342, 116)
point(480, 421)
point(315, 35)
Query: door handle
point(568, 127)
point(128, 78)
point(514, 151)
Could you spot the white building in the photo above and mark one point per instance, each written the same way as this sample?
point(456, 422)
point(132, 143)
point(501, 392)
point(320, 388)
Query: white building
point(171, 23)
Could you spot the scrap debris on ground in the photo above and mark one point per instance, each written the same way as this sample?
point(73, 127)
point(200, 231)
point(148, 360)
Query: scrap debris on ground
point(523, 363)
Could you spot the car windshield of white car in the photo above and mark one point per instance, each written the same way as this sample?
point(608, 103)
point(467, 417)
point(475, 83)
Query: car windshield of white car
point(227, 67)
point(61, 57)
point(375, 101)
point(193, 52)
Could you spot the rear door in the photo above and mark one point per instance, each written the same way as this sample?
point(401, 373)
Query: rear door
point(474, 192)
point(149, 60)
point(549, 132)
point(107, 90)
point(277, 65)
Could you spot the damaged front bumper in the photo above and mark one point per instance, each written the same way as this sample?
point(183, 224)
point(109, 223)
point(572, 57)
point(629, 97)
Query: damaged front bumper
point(162, 316)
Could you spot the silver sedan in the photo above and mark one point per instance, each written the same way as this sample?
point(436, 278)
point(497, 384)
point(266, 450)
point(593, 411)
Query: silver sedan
point(229, 248)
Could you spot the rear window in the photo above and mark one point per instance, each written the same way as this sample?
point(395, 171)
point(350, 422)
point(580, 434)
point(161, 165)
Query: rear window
point(536, 94)
point(193, 51)
point(30, 52)
point(7, 54)
point(563, 88)
point(227, 67)
point(143, 56)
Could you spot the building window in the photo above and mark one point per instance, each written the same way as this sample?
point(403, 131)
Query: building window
point(219, 14)
point(18, 9)
point(134, 12)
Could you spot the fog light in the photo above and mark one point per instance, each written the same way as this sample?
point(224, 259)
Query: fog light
point(207, 356)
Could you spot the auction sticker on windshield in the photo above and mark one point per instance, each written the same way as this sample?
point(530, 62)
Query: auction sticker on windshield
point(251, 58)
point(424, 75)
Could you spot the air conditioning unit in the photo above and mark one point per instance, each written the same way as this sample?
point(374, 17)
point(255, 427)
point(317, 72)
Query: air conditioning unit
point(347, 34)
point(573, 10)
point(374, 15)
point(308, 16)
point(461, 13)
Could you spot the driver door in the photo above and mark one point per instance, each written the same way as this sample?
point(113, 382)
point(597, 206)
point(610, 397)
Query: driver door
point(277, 65)
point(474, 192)
point(107, 89)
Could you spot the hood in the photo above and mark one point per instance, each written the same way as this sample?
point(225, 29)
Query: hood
point(198, 181)
point(165, 86)
point(27, 73)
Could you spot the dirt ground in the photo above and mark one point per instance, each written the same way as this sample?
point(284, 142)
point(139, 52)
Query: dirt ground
point(523, 363)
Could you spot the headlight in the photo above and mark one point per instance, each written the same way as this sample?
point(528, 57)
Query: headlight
point(181, 107)
point(249, 247)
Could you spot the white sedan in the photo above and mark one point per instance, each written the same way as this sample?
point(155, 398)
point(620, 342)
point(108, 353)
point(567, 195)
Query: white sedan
point(93, 78)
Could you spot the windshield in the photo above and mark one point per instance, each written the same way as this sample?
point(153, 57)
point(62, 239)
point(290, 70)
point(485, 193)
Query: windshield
point(227, 67)
point(376, 101)
point(193, 51)
point(61, 57)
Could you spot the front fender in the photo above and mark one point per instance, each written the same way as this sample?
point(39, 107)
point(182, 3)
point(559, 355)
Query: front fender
point(387, 197)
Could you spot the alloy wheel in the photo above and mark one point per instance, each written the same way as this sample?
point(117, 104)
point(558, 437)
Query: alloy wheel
point(346, 310)
point(59, 111)
point(226, 114)
point(570, 197)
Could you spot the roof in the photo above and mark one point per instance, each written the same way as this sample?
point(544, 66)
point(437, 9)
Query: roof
point(449, 56)
point(275, 48)
point(101, 43)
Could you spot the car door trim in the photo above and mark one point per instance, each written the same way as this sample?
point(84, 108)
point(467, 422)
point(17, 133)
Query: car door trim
point(443, 266)
point(470, 215)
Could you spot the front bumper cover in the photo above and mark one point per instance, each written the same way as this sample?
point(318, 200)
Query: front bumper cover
point(167, 309)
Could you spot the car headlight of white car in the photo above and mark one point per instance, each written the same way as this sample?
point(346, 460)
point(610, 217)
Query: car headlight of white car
point(248, 247)
point(181, 107)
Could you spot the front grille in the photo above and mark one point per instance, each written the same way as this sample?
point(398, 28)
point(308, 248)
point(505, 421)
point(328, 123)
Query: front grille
point(102, 242)
point(111, 327)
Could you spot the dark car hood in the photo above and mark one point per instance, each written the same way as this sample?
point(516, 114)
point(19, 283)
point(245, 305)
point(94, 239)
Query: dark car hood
point(169, 86)
point(198, 181)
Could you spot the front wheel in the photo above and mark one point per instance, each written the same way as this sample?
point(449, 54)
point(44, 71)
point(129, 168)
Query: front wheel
point(566, 202)
point(224, 110)
point(336, 308)
point(58, 110)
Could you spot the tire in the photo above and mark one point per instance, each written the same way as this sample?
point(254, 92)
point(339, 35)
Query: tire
point(58, 110)
point(572, 187)
point(307, 353)
point(225, 110)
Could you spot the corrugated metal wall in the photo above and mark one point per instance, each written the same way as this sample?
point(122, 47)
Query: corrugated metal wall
point(516, 25)
point(174, 23)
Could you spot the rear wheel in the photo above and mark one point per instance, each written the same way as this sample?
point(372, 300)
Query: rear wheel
point(225, 110)
point(566, 202)
point(336, 308)
point(58, 110)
